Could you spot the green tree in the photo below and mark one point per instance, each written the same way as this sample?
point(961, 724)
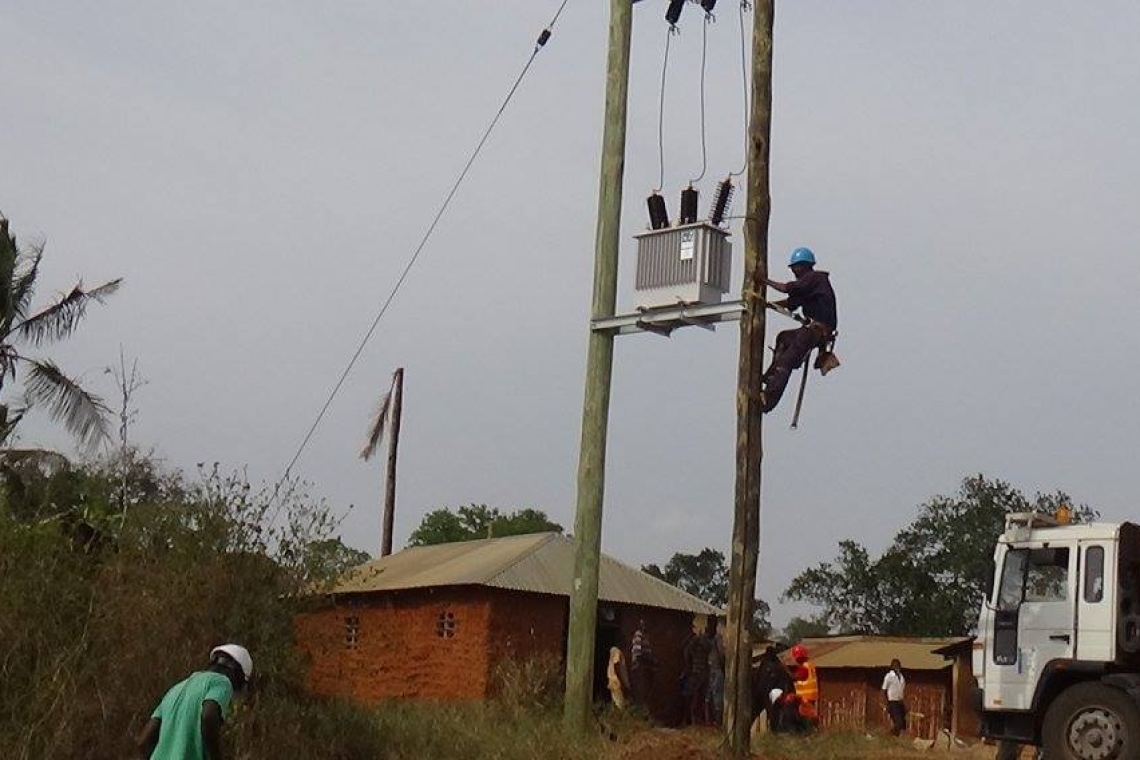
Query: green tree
point(931, 579)
point(331, 557)
point(705, 576)
point(82, 413)
point(475, 521)
point(799, 628)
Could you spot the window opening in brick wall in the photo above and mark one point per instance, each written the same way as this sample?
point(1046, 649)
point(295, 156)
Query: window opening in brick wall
point(445, 625)
point(351, 632)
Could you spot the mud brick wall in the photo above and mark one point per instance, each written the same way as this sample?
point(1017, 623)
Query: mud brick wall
point(401, 647)
point(526, 625)
point(389, 645)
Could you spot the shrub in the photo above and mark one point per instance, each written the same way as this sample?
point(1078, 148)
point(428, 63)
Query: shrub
point(93, 632)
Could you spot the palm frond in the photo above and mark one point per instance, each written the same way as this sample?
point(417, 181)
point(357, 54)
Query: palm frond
point(82, 413)
point(379, 424)
point(24, 281)
point(380, 419)
point(61, 318)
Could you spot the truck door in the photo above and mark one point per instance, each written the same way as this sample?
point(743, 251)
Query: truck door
point(1032, 623)
point(1095, 631)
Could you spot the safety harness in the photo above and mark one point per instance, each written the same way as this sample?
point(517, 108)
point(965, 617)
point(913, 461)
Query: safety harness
point(826, 359)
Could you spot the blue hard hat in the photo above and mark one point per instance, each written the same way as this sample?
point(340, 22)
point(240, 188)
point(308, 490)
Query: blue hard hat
point(802, 256)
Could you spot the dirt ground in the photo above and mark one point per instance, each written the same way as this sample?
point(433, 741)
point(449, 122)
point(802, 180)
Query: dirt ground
point(704, 744)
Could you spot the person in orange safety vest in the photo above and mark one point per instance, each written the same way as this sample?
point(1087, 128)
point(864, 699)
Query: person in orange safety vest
point(807, 684)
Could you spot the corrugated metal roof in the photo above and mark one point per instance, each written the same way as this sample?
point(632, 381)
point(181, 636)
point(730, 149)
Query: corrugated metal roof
point(541, 563)
point(878, 651)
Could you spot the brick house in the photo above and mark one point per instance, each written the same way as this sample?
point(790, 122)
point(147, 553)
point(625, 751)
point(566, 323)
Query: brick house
point(851, 669)
point(433, 622)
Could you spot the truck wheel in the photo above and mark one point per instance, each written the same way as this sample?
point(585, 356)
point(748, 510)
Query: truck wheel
point(1092, 721)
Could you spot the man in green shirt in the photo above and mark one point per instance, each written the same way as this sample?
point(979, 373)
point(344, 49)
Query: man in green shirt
point(187, 724)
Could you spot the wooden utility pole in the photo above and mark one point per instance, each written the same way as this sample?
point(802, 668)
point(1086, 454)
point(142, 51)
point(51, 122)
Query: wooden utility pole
point(390, 411)
point(599, 372)
point(749, 414)
point(393, 447)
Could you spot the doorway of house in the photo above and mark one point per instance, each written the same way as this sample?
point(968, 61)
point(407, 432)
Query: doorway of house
point(608, 635)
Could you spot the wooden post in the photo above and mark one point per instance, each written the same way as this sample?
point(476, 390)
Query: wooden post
point(599, 371)
point(749, 416)
point(393, 446)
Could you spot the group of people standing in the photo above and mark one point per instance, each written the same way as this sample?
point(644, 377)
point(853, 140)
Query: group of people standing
point(789, 695)
point(699, 695)
point(702, 675)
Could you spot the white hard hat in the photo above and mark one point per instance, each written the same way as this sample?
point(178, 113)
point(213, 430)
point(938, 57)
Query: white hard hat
point(239, 654)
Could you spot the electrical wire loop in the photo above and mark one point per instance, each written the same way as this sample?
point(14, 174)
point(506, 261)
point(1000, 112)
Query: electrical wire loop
point(661, 110)
point(745, 6)
point(709, 19)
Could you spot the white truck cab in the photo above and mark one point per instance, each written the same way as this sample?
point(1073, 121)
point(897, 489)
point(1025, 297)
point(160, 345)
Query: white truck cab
point(1057, 658)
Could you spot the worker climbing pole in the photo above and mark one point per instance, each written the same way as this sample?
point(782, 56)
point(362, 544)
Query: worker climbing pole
point(810, 291)
point(749, 401)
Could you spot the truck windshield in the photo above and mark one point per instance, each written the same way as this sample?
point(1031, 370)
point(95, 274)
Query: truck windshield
point(1033, 575)
point(1012, 579)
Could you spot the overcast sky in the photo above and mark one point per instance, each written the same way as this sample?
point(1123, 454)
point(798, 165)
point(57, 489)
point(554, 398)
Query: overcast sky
point(260, 172)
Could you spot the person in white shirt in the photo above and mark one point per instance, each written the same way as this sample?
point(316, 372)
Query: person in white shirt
point(894, 690)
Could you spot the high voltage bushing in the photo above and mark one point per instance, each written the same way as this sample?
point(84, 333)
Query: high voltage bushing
point(689, 198)
point(708, 5)
point(658, 214)
point(673, 15)
point(723, 197)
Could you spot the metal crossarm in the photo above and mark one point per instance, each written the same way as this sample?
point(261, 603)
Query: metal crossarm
point(664, 320)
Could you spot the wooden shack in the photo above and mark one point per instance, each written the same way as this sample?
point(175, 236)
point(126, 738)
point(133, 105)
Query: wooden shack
point(851, 669)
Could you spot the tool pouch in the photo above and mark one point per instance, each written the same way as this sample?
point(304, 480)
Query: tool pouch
point(826, 360)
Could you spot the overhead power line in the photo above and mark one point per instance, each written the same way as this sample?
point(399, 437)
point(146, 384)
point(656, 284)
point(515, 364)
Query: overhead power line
point(539, 44)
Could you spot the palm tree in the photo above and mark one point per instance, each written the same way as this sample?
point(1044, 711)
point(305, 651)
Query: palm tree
point(45, 385)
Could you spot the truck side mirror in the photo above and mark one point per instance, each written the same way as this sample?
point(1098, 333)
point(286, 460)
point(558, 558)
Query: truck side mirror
point(991, 568)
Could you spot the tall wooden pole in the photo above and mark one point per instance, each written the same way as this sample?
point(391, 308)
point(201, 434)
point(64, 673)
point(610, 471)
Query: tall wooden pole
point(599, 371)
point(393, 447)
point(749, 415)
